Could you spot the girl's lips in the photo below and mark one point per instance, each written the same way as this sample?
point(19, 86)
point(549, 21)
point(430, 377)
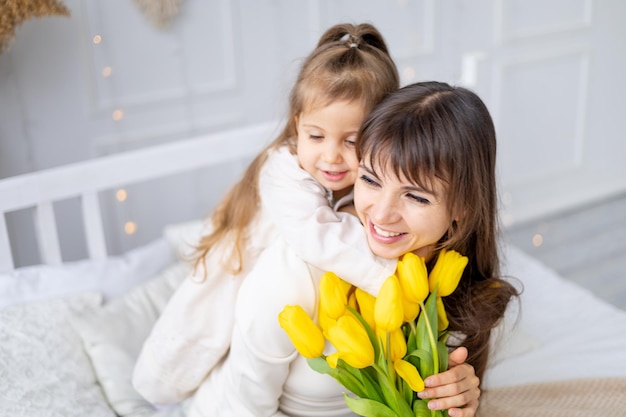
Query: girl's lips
point(384, 236)
point(334, 175)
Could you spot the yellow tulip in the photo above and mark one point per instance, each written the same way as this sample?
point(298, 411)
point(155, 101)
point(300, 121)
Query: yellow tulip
point(324, 321)
point(397, 342)
point(413, 277)
point(409, 373)
point(350, 339)
point(410, 309)
point(333, 295)
point(447, 272)
point(332, 359)
point(388, 314)
point(442, 316)
point(303, 332)
point(352, 302)
point(366, 303)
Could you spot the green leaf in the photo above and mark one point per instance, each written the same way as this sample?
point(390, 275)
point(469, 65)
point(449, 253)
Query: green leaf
point(422, 340)
point(443, 356)
point(411, 342)
point(371, 385)
point(425, 363)
point(342, 376)
point(407, 392)
point(420, 408)
point(431, 311)
point(369, 408)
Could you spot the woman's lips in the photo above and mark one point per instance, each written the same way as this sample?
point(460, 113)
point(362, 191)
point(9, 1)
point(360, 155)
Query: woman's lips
point(384, 236)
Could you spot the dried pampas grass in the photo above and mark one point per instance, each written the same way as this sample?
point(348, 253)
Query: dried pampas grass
point(14, 12)
point(159, 12)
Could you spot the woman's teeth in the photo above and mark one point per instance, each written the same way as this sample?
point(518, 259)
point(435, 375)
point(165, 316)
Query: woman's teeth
point(385, 233)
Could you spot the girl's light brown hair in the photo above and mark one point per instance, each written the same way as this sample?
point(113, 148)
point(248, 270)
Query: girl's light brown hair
point(432, 130)
point(350, 63)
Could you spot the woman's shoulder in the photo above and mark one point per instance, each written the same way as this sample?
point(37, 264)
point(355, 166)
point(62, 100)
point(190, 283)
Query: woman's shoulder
point(279, 278)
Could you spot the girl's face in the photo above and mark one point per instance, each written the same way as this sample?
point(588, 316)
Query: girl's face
point(400, 216)
point(325, 144)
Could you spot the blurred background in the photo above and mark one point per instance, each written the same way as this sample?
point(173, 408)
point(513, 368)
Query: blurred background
point(124, 74)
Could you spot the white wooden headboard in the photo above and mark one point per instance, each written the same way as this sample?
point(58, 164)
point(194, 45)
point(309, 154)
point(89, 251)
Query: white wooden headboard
point(87, 178)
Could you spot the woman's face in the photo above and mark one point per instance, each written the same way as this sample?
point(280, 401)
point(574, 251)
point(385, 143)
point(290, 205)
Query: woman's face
point(399, 216)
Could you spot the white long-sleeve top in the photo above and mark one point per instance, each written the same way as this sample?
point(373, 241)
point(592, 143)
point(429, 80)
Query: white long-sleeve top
point(263, 375)
point(194, 331)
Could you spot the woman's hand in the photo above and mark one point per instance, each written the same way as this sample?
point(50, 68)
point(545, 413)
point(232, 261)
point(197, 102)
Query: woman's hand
point(455, 388)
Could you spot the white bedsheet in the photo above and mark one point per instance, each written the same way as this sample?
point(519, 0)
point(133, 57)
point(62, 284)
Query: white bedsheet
point(567, 332)
point(112, 277)
point(564, 331)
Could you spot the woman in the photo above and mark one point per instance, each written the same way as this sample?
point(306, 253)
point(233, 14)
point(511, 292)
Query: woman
point(426, 182)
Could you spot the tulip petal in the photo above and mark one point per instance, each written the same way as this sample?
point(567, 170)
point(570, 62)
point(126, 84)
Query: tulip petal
point(305, 335)
point(350, 339)
point(366, 304)
point(447, 272)
point(388, 314)
point(413, 277)
point(333, 295)
point(409, 373)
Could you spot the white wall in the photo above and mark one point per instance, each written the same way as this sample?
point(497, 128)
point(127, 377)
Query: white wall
point(550, 72)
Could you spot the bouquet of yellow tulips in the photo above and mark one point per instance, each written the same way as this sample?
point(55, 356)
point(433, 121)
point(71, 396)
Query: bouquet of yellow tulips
point(387, 345)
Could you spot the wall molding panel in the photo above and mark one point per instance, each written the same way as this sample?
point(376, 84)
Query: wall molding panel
point(513, 20)
point(557, 81)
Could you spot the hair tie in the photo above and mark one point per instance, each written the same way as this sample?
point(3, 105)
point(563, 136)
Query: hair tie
point(353, 45)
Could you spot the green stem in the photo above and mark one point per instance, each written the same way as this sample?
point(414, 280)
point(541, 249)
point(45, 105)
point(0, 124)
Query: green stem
point(431, 338)
point(433, 345)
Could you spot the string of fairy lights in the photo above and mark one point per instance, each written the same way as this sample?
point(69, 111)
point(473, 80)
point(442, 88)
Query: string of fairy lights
point(121, 195)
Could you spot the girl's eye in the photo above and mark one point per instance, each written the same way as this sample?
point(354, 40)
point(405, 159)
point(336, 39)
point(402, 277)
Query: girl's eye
point(316, 137)
point(350, 143)
point(369, 181)
point(418, 199)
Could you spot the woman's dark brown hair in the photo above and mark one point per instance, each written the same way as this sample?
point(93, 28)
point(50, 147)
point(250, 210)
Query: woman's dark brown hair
point(432, 130)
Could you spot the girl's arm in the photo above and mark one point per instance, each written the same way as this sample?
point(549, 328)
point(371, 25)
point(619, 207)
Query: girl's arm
point(457, 387)
point(297, 204)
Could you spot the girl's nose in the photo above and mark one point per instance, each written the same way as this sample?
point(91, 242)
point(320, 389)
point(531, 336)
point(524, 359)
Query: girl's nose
point(332, 153)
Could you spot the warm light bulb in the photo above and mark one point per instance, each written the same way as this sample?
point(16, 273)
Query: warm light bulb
point(97, 39)
point(118, 115)
point(409, 73)
point(537, 240)
point(121, 195)
point(106, 72)
point(130, 228)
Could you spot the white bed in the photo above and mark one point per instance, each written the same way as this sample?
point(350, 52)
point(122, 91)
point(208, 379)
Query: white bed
point(70, 331)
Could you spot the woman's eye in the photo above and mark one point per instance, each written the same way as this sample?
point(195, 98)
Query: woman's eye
point(316, 137)
point(369, 181)
point(418, 199)
point(351, 143)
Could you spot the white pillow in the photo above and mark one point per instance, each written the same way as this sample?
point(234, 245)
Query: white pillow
point(114, 334)
point(111, 277)
point(44, 370)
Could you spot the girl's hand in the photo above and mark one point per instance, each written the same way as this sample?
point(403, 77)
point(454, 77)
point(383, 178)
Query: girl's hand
point(455, 388)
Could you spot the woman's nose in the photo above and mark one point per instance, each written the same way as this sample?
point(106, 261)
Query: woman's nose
point(384, 210)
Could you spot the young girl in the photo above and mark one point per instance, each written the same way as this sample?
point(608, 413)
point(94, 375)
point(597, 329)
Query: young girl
point(426, 182)
point(288, 190)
